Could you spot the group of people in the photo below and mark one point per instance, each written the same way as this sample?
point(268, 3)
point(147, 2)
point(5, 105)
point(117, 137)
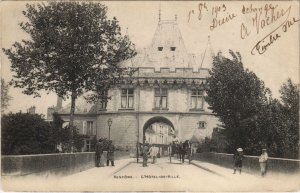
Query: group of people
point(150, 151)
point(181, 149)
point(100, 148)
point(238, 161)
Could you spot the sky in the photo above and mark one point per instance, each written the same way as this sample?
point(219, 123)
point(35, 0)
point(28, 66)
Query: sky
point(139, 20)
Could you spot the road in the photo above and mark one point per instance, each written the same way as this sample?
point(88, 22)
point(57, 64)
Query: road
point(128, 175)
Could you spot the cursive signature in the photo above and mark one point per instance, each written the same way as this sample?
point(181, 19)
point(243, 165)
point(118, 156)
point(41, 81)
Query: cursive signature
point(262, 45)
point(261, 23)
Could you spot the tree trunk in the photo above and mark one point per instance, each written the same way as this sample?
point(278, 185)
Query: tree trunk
point(71, 125)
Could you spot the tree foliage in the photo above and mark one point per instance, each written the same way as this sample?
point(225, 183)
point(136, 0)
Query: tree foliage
point(290, 100)
point(69, 44)
point(24, 133)
point(73, 48)
point(251, 117)
point(5, 97)
point(236, 95)
point(60, 136)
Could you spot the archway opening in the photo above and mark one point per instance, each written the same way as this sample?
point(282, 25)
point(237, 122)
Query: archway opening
point(159, 132)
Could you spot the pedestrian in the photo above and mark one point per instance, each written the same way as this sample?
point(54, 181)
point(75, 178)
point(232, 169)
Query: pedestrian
point(99, 152)
point(151, 152)
point(170, 151)
point(263, 158)
point(154, 153)
point(145, 154)
point(238, 160)
point(110, 153)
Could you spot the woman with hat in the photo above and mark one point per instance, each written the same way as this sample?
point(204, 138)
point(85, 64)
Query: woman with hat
point(238, 160)
point(263, 158)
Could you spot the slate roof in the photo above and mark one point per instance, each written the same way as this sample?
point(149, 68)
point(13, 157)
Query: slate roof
point(160, 55)
point(81, 107)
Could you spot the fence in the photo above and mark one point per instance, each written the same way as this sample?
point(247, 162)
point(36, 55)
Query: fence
point(58, 164)
point(250, 163)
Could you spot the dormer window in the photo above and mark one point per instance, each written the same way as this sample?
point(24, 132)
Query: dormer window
point(159, 48)
point(202, 124)
point(173, 48)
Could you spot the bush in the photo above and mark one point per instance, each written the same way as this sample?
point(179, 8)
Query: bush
point(24, 133)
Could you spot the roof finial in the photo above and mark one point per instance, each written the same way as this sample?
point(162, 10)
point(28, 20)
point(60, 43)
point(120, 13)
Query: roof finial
point(210, 46)
point(159, 14)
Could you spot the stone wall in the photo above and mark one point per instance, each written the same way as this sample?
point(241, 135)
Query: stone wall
point(50, 164)
point(123, 131)
point(250, 163)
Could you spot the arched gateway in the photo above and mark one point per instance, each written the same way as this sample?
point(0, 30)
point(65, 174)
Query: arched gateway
point(159, 131)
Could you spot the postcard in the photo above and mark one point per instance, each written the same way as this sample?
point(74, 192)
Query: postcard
point(132, 96)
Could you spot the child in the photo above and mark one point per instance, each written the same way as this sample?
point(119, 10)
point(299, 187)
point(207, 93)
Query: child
point(263, 162)
point(238, 160)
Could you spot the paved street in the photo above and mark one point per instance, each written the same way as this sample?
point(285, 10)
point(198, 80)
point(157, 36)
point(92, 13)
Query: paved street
point(128, 175)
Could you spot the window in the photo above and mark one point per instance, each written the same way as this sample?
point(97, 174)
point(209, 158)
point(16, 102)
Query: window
point(103, 102)
point(88, 145)
point(127, 98)
point(102, 105)
point(202, 125)
point(172, 48)
point(90, 128)
point(197, 99)
point(161, 98)
point(159, 48)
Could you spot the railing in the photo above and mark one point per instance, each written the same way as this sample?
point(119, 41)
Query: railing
point(250, 163)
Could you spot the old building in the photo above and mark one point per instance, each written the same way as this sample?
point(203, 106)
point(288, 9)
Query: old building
point(167, 88)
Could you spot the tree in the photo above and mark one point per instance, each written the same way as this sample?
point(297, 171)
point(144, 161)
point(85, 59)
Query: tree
point(236, 95)
point(24, 133)
point(290, 99)
point(73, 48)
point(56, 130)
point(77, 138)
point(5, 98)
point(61, 136)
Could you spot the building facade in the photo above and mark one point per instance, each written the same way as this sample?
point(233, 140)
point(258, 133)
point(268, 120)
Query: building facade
point(167, 89)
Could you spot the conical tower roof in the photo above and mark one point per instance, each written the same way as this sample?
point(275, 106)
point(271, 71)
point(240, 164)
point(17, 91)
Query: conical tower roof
point(207, 56)
point(167, 48)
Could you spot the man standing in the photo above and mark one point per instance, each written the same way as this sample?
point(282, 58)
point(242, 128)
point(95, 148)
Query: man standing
point(99, 152)
point(145, 154)
point(263, 158)
point(110, 154)
point(153, 153)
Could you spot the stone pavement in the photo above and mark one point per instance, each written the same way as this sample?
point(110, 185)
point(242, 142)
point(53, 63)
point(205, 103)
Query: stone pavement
point(128, 175)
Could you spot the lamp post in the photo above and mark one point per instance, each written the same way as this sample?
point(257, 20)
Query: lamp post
point(109, 123)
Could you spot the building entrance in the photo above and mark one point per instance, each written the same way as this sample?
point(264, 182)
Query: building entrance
point(159, 132)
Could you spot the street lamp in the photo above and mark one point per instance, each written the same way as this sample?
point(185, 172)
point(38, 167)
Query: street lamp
point(109, 122)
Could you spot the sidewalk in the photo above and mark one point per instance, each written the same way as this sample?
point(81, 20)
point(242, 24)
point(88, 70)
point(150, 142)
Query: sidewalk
point(105, 171)
point(251, 182)
point(53, 182)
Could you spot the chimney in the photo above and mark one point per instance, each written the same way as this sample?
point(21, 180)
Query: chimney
point(31, 110)
point(50, 112)
point(59, 103)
